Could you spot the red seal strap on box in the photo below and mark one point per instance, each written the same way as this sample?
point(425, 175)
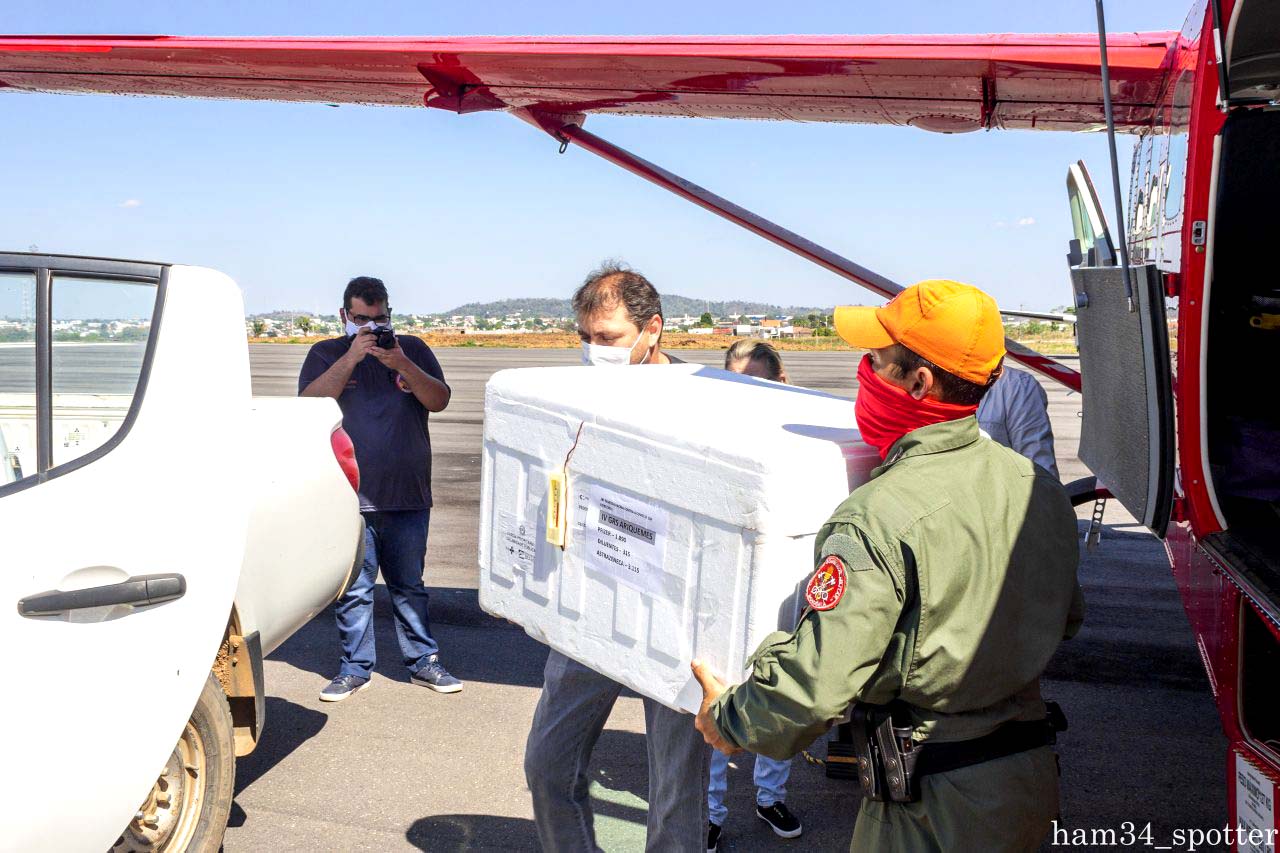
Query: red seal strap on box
point(827, 585)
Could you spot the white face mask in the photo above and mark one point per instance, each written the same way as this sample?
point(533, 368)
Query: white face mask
point(599, 355)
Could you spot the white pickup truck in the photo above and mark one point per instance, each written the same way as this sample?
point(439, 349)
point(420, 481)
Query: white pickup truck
point(160, 532)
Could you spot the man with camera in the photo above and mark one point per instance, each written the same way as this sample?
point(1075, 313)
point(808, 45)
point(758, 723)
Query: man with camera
point(386, 386)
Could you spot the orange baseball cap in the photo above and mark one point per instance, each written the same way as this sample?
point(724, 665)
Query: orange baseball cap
point(954, 325)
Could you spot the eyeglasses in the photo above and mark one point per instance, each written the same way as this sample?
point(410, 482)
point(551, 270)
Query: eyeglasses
point(361, 319)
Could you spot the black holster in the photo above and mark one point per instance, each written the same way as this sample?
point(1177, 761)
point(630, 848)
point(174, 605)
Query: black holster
point(885, 753)
point(891, 765)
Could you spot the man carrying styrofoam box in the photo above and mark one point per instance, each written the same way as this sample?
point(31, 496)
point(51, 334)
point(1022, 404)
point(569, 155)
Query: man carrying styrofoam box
point(943, 587)
point(620, 321)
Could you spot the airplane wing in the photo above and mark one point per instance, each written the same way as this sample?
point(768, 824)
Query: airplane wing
point(941, 83)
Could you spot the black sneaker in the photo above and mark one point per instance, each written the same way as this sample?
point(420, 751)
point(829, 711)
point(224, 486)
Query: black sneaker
point(780, 820)
point(434, 676)
point(342, 687)
point(713, 838)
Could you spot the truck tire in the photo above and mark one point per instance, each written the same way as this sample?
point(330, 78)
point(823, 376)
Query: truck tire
point(186, 810)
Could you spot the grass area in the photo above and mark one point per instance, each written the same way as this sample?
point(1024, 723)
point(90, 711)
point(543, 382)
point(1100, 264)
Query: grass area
point(1049, 343)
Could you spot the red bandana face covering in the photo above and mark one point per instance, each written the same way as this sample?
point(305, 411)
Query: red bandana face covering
point(886, 413)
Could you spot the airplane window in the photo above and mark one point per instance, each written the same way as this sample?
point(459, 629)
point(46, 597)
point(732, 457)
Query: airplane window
point(1178, 145)
point(1140, 191)
point(1151, 181)
point(100, 332)
point(1134, 189)
point(17, 377)
point(1159, 181)
point(1177, 176)
point(1080, 224)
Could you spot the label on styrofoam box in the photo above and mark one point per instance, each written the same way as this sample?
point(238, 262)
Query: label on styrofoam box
point(557, 502)
point(626, 538)
point(516, 544)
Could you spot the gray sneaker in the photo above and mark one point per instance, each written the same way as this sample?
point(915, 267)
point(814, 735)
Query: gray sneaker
point(342, 687)
point(434, 676)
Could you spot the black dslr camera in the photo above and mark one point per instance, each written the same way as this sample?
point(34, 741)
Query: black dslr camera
point(386, 337)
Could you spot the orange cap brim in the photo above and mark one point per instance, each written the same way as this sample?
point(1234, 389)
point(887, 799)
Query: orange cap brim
point(860, 327)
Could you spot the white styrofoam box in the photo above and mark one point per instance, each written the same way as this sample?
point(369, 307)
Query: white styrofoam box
point(694, 496)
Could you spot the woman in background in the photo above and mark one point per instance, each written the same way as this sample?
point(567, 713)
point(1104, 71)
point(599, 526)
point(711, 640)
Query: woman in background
point(758, 359)
point(755, 358)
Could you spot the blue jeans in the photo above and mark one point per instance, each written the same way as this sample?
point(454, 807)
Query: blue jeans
point(770, 778)
point(396, 542)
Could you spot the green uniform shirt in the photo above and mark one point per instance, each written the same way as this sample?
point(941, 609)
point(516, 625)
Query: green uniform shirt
point(961, 559)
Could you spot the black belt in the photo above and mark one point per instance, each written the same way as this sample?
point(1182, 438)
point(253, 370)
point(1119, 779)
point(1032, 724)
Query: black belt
point(890, 765)
point(1009, 739)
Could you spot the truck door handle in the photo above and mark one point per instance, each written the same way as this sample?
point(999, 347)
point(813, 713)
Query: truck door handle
point(138, 591)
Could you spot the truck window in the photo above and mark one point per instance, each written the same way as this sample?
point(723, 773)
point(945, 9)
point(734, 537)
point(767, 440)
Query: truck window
point(17, 376)
point(100, 332)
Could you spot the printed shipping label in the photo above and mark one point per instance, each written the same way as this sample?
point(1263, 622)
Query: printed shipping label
point(515, 542)
point(626, 538)
point(1255, 805)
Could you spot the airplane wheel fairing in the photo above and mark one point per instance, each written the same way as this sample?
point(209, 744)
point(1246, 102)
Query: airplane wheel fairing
point(186, 810)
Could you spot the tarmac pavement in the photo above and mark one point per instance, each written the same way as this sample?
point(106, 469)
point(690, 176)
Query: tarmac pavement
point(398, 767)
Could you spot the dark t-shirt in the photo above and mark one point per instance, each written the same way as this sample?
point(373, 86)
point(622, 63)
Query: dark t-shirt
point(387, 424)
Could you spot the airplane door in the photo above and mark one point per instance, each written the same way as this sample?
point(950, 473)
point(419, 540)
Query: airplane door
point(1126, 437)
point(1253, 62)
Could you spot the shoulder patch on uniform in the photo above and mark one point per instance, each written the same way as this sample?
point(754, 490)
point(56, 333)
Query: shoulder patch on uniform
point(826, 587)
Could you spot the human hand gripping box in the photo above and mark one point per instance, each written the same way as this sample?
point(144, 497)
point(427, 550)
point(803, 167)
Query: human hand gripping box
point(691, 500)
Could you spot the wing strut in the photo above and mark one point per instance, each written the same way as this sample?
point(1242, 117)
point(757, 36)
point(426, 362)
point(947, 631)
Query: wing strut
point(571, 132)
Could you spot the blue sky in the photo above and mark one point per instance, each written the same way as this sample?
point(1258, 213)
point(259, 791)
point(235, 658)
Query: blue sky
point(291, 200)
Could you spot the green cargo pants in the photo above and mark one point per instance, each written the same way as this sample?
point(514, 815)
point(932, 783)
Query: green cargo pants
point(1008, 804)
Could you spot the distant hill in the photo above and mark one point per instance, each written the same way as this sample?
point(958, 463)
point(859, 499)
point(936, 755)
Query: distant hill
point(672, 305)
point(529, 306)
